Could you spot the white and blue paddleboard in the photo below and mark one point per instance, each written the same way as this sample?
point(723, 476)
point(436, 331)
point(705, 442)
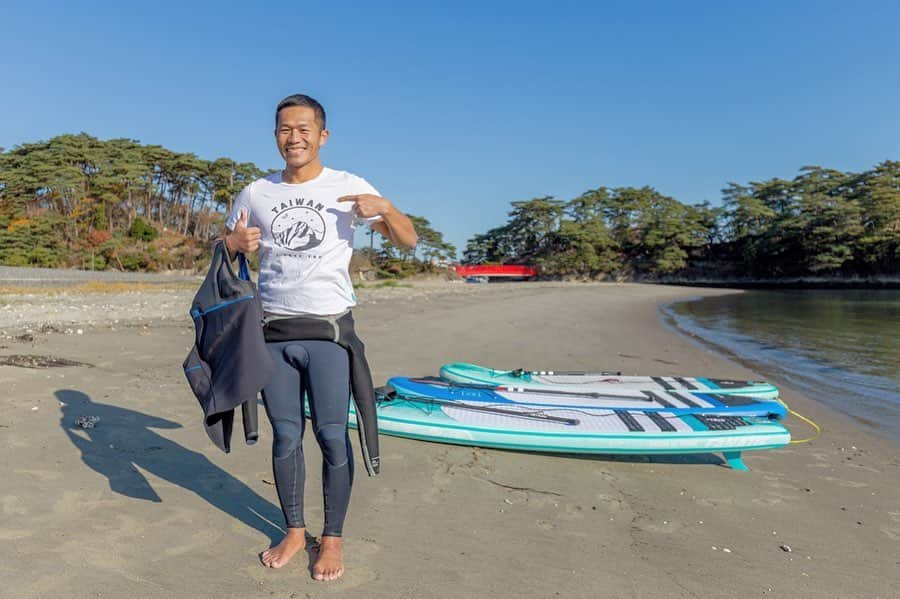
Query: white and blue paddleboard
point(675, 402)
point(602, 381)
point(570, 428)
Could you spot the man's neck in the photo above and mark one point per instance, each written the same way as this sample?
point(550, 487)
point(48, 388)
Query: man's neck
point(305, 173)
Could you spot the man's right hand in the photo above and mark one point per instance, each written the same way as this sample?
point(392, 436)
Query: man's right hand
point(242, 238)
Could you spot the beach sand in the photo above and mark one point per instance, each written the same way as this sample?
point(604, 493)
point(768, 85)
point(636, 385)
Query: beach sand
point(143, 505)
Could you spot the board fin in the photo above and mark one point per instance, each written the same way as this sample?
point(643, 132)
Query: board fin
point(734, 460)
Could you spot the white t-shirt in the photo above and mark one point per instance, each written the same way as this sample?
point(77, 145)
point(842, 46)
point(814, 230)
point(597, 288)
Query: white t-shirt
point(306, 240)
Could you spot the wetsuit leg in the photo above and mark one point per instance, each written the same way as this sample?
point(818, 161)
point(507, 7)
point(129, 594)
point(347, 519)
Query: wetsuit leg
point(328, 388)
point(283, 399)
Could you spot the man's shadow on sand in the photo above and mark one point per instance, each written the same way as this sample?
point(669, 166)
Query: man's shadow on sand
point(122, 440)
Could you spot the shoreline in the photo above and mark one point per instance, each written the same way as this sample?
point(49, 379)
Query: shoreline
point(143, 505)
point(789, 284)
point(34, 276)
point(771, 372)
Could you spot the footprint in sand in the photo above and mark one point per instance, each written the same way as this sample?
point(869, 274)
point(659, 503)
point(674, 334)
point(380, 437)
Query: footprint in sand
point(861, 467)
point(775, 482)
point(715, 501)
point(545, 525)
point(844, 483)
point(769, 501)
point(195, 542)
point(440, 481)
point(13, 505)
point(571, 513)
point(386, 496)
point(41, 475)
point(657, 526)
point(892, 533)
point(608, 503)
point(360, 565)
point(449, 464)
point(607, 476)
point(823, 465)
point(13, 535)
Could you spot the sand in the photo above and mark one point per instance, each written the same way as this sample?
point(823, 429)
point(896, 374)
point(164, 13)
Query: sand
point(143, 505)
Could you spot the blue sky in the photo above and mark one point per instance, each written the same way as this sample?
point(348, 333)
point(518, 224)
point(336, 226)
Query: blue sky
point(455, 109)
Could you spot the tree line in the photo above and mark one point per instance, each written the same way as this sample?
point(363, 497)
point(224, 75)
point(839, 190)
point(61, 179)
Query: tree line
point(77, 201)
point(823, 222)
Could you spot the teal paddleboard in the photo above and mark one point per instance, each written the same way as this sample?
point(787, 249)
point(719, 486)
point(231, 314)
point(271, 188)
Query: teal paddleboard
point(573, 430)
point(603, 381)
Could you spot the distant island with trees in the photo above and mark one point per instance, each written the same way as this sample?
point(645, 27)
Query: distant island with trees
point(79, 202)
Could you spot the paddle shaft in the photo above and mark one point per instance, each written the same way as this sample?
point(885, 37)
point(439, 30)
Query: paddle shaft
point(487, 409)
point(486, 387)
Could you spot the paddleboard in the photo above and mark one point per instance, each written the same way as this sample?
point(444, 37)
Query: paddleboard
point(599, 381)
point(573, 429)
point(676, 402)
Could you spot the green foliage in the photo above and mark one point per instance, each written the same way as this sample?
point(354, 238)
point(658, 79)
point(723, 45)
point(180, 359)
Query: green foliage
point(143, 230)
point(431, 246)
point(583, 245)
point(877, 192)
point(431, 254)
point(134, 206)
point(823, 222)
point(30, 241)
point(134, 259)
point(116, 186)
point(43, 257)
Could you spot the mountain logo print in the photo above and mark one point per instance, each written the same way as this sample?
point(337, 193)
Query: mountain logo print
point(298, 228)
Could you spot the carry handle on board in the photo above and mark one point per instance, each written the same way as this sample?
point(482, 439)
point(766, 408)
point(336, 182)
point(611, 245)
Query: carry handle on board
point(520, 372)
point(388, 393)
point(488, 387)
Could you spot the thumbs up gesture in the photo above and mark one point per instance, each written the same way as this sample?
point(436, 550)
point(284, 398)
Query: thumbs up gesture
point(242, 238)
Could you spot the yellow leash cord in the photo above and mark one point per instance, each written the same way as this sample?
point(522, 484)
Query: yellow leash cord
point(804, 419)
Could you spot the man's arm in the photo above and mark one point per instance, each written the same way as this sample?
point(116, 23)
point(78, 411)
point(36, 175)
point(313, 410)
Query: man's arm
point(394, 225)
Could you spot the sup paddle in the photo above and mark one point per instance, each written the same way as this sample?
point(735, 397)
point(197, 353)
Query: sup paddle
point(529, 390)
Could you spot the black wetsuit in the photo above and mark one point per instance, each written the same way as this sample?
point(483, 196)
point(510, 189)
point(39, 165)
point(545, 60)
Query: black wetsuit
point(321, 371)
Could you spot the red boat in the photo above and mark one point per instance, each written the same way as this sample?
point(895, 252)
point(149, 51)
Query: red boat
point(490, 271)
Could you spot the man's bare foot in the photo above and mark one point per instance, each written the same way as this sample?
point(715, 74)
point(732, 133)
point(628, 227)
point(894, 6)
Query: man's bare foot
point(330, 563)
point(277, 556)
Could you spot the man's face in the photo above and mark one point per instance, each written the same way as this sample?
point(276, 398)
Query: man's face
point(299, 136)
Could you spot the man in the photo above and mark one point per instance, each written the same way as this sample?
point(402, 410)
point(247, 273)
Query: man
point(302, 221)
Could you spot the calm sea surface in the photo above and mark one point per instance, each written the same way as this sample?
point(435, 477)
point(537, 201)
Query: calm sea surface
point(839, 347)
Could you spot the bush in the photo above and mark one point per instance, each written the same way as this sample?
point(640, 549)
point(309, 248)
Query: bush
point(43, 257)
point(134, 259)
point(96, 238)
point(13, 258)
point(100, 261)
point(142, 230)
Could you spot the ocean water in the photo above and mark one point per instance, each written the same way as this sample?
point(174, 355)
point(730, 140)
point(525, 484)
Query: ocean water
point(840, 347)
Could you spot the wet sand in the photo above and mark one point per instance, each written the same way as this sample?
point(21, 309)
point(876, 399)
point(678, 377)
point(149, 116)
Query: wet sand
point(143, 505)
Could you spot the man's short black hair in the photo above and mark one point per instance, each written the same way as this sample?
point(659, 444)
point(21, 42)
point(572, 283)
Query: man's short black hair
point(302, 100)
